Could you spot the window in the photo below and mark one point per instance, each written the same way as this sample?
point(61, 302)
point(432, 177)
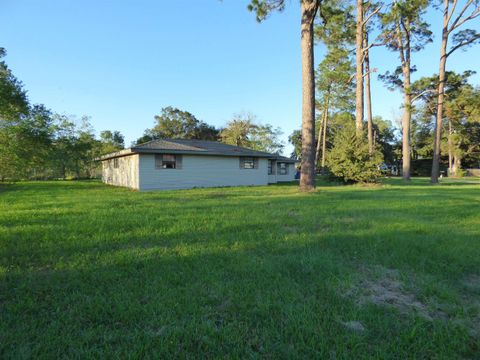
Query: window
point(168, 161)
point(248, 163)
point(282, 168)
point(115, 163)
point(271, 167)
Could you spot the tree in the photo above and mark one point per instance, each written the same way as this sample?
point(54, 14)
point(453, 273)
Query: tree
point(13, 98)
point(266, 138)
point(461, 39)
point(334, 73)
point(425, 89)
point(359, 43)
point(350, 158)
point(238, 130)
point(244, 131)
point(309, 8)
point(371, 10)
point(177, 124)
point(404, 31)
point(463, 112)
point(295, 139)
point(111, 141)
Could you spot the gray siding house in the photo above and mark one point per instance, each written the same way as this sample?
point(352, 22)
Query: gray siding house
point(184, 164)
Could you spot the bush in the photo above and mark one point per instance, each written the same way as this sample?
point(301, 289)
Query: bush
point(349, 159)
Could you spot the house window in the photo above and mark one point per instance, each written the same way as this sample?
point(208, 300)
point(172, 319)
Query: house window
point(115, 163)
point(271, 167)
point(248, 163)
point(282, 168)
point(168, 161)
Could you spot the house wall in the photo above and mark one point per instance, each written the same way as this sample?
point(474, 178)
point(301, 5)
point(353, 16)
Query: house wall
point(290, 176)
point(127, 173)
point(200, 171)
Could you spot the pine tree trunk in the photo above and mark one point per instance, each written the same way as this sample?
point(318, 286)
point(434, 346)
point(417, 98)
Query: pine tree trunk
point(307, 178)
point(406, 121)
point(441, 96)
point(319, 142)
point(324, 142)
point(321, 131)
point(450, 147)
point(359, 69)
point(368, 97)
point(457, 165)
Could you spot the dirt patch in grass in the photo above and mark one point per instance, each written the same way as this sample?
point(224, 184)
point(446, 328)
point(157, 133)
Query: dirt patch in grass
point(383, 287)
point(356, 326)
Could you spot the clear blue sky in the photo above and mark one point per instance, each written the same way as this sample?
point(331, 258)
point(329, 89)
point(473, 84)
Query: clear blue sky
point(121, 61)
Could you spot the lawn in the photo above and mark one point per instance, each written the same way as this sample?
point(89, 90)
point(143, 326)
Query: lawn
point(386, 271)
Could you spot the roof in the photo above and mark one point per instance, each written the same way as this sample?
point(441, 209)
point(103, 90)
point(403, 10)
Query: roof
point(193, 147)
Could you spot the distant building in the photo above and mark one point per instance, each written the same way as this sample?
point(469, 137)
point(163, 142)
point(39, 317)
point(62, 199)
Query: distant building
point(184, 164)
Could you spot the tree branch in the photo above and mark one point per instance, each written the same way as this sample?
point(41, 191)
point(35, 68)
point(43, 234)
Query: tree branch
point(475, 13)
point(372, 14)
point(422, 93)
point(454, 5)
point(459, 17)
point(462, 44)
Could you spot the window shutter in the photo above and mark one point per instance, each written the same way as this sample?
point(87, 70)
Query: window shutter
point(158, 161)
point(178, 162)
point(255, 163)
point(242, 163)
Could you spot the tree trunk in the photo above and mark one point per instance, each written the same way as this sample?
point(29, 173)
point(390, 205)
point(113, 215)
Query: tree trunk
point(368, 97)
point(407, 115)
point(321, 130)
point(457, 165)
point(307, 178)
point(359, 69)
point(319, 141)
point(405, 56)
point(324, 143)
point(450, 147)
point(441, 95)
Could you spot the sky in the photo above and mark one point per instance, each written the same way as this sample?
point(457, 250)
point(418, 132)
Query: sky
point(121, 61)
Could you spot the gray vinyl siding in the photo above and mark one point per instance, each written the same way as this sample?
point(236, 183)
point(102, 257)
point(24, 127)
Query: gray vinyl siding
point(289, 177)
point(200, 171)
point(127, 173)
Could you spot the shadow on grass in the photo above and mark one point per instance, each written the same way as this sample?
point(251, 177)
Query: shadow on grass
point(97, 271)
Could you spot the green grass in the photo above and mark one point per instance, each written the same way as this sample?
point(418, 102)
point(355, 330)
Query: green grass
point(88, 270)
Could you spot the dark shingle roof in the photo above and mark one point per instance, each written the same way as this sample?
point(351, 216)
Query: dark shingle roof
point(200, 147)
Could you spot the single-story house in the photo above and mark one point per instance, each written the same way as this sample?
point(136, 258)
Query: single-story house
point(183, 164)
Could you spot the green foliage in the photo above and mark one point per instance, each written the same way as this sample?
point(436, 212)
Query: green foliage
point(349, 159)
point(295, 139)
point(174, 123)
point(461, 109)
point(263, 8)
point(13, 98)
point(243, 131)
point(404, 30)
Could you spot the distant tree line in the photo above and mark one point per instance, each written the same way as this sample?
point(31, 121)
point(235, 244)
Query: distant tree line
point(36, 143)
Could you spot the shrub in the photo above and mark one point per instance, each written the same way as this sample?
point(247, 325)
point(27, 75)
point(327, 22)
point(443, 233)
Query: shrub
point(349, 159)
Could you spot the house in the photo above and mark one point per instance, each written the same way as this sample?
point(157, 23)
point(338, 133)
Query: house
point(184, 164)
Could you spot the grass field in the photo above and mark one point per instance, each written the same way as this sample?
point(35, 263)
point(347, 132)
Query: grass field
point(387, 271)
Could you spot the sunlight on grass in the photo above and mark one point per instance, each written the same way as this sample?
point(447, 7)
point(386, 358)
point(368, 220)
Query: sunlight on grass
point(89, 270)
